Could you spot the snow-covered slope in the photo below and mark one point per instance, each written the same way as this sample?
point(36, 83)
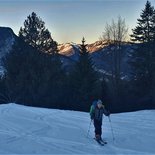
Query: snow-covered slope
point(28, 130)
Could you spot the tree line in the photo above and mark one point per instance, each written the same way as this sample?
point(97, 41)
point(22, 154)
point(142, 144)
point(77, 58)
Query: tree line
point(34, 73)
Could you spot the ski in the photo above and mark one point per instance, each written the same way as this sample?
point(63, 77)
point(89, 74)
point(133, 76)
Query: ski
point(103, 141)
point(99, 142)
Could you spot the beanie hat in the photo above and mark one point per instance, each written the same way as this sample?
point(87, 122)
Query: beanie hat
point(99, 102)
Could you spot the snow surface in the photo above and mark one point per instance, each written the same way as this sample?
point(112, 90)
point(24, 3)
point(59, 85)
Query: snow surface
point(28, 130)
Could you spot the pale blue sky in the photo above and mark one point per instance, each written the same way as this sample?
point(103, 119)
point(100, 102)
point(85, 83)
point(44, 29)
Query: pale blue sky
point(70, 20)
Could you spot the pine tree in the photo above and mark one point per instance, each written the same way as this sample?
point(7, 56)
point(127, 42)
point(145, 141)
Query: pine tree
point(143, 56)
point(83, 79)
point(36, 35)
point(143, 31)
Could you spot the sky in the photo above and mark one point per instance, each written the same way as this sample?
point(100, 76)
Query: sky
point(70, 20)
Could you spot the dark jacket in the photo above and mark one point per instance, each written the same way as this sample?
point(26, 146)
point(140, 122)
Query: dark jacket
point(97, 113)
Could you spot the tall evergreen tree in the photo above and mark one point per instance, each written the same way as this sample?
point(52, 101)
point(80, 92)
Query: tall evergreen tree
point(143, 31)
point(143, 57)
point(83, 80)
point(36, 35)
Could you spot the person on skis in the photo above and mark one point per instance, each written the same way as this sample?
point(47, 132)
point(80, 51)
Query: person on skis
point(96, 113)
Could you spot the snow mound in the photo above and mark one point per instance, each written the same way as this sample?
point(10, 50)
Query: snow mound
point(28, 130)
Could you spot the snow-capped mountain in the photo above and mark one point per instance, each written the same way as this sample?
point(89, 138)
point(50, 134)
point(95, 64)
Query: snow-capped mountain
point(68, 49)
point(97, 46)
point(29, 130)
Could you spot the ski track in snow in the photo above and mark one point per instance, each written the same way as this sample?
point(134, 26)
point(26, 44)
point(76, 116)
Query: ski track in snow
point(28, 130)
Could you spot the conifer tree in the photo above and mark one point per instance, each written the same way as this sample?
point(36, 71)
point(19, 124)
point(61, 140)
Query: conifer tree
point(143, 31)
point(36, 35)
point(84, 79)
point(143, 56)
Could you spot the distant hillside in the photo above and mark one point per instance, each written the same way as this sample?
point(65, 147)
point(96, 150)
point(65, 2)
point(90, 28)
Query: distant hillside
point(101, 54)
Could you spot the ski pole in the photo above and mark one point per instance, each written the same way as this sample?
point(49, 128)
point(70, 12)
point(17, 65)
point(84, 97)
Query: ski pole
point(112, 131)
point(89, 128)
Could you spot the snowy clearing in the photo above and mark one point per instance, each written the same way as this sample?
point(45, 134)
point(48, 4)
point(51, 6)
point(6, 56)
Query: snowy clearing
point(28, 130)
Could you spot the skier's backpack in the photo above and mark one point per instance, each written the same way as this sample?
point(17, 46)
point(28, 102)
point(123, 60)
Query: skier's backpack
point(94, 104)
